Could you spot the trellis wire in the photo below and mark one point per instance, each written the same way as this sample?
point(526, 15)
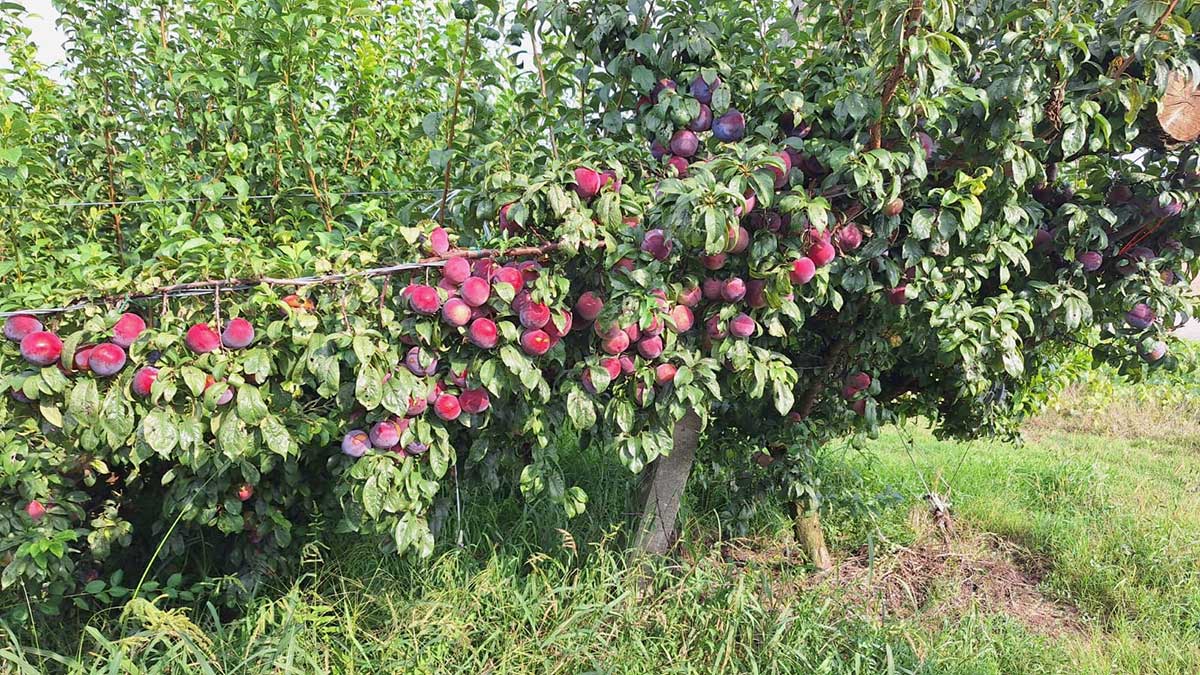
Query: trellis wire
point(213, 286)
point(234, 198)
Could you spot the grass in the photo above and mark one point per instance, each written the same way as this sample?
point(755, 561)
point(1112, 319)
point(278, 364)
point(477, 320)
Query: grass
point(1076, 552)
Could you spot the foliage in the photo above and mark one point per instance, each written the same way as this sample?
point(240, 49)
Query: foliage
point(943, 183)
point(524, 597)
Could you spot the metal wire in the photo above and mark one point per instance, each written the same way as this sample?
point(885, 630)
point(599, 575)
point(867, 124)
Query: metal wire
point(209, 288)
point(216, 285)
point(233, 198)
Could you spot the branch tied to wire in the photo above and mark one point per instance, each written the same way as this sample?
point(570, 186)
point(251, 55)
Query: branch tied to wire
point(232, 198)
point(217, 286)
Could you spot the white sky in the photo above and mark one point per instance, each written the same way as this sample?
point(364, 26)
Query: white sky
point(47, 36)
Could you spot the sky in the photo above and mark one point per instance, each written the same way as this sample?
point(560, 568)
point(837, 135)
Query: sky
point(47, 36)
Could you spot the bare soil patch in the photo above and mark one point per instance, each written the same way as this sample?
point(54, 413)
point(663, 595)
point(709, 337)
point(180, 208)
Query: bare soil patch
point(934, 579)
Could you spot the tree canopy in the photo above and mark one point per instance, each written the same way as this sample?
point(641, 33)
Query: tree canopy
point(579, 220)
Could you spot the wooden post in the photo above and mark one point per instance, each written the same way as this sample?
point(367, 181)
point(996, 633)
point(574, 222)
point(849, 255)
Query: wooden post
point(661, 489)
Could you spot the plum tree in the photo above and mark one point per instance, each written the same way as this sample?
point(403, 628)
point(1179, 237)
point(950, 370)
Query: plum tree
point(874, 192)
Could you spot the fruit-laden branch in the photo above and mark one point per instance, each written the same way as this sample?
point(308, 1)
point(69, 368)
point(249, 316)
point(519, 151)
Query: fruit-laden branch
point(911, 19)
point(214, 285)
point(1127, 61)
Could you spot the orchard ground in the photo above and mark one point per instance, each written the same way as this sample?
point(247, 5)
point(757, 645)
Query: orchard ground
point(1073, 553)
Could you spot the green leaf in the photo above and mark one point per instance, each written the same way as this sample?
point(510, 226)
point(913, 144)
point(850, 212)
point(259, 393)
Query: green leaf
point(250, 405)
point(580, 410)
point(644, 45)
point(194, 378)
point(368, 388)
point(83, 403)
point(784, 398)
point(232, 438)
point(1073, 138)
point(159, 431)
point(277, 437)
point(642, 77)
point(51, 413)
point(372, 497)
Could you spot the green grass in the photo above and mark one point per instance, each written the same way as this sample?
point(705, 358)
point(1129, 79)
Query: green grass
point(1109, 524)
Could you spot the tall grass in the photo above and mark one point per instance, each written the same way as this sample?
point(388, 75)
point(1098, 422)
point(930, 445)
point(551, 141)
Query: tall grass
point(1110, 522)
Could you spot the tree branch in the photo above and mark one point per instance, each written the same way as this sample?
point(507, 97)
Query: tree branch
point(210, 285)
point(1126, 62)
point(911, 19)
point(818, 384)
point(462, 68)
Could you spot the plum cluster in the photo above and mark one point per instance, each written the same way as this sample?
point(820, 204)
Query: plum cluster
point(469, 299)
point(1151, 250)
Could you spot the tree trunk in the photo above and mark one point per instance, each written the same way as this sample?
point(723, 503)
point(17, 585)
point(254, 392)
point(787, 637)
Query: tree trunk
point(806, 525)
point(661, 489)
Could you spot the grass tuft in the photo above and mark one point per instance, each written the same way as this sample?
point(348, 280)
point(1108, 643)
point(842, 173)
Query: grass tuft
point(1075, 552)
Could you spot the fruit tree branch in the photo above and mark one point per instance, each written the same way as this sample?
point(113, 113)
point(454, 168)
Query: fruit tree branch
point(462, 68)
point(814, 390)
point(109, 154)
point(215, 285)
point(537, 60)
point(911, 18)
point(1127, 61)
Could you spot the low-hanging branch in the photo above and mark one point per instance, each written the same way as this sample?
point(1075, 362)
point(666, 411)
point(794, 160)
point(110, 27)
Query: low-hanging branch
point(217, 285)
